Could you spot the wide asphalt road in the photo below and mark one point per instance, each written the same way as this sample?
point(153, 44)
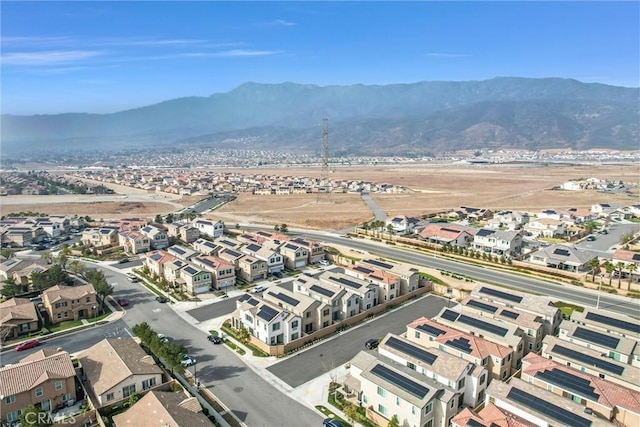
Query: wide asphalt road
point(332, 353)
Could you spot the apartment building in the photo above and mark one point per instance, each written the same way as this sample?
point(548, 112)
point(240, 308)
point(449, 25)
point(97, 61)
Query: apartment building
point(44, 379)
point(409, 276)
point(114, 369)
point(18, 316)
point(618, 348)
point(314, 314)
point(494, 357)
point(366, 291)
point(265, 321)
point(387, 284)
point(223, 275)
point(70, 302)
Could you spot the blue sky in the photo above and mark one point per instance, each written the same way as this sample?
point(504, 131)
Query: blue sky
point(107, 56)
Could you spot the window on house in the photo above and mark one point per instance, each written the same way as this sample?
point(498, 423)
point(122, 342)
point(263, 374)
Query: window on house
point(461, 383)
point(128, 390)
point(483, 379)
point(146, 384)
point(382, 409)
point(411, 366)
point(325, 312)
point(428, 408)
point(39, 392)
point(13, 416)
point(308, 314)
point(417, 334)
point(452, 404)
point(397, 401)
point(58, 385)
point(276, 326)
point(382, 392)
point(109, 396)
point(294, 336)
point(10, 399)
point(429, 423)
point(294, 324)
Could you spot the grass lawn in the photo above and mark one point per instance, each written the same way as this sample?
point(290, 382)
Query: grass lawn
point(106, 314)
point(567, 308)
point(67, 324)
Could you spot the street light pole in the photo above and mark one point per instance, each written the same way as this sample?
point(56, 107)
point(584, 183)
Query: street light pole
point(599, 289)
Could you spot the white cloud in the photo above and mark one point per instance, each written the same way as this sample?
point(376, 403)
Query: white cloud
point(48, 57)
point(285, 23)
point(22, 41)
point(244, 52)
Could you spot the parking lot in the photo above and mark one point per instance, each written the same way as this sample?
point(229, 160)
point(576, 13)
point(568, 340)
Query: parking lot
point(335, 351)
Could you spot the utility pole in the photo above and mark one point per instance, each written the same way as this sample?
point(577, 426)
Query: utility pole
point(324, 174)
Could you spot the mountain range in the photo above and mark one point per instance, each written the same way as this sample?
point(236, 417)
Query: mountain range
point(423, 118)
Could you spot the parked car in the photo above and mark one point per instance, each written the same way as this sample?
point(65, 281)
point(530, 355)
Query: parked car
point(132, 279)
point(215, 339)
point(371, 344)
point(162, 300)
point(259, 289)
point(123, 302)
point(591, 238)
point(164, 339)
point(324, 262)
point(187, 360)
point(27, 345)
point(331, 422)
point(123, 261)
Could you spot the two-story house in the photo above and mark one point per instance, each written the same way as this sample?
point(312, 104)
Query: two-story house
point(223, 273)
point(206, 247)
point(387, 284)
point(44, 379)
point(265, 321)
point(70, 302)
point(314, 314)
point(367, 292)
point(545, 227)
point(315, 250)
point(194, 280)
point(251, 269)
point(185, 232)
point(174, 409)
point(158, 238)
point(401, 224)
point(343, 303)
point(104, 236)
point(114, 369)
point(499, 243)
point(156, 260)
point(182, 252)
point(209, 228)
point(134, 242)
point(18, 316)
point(274, 260)
point(409, 275)
point(295, 256)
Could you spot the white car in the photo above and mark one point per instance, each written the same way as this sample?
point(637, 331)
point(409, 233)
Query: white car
point(324, 262)
point(259, 289)
point(187, 360)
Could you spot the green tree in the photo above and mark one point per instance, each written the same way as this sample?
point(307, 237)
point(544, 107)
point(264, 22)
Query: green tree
point(39, 280)
point(284, 228)
point(608, 266)
point(133, 398)
point(158, 219)
point(77, 267)
point(172, 355)
point(590, 226)
point(56, 274)
point(394, 422)
point(170, 218)
point(34, 417)
point(8, 253)
point(243, 334)
point(10, 287)
point(594, 264)
point(144, 332)
point(63, 256)
point(631, 267)
point(620, 266)
point(350, 410)
point(103, 289)
point(276, 227)
point(47, 257)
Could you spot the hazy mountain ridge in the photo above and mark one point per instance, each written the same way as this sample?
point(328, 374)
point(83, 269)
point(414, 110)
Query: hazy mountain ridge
point(398, 119)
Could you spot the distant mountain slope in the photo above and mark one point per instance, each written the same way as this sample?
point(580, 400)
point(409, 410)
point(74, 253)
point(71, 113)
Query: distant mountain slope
point(424, 117)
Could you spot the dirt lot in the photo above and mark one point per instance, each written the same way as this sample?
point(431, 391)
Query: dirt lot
point(430, 188)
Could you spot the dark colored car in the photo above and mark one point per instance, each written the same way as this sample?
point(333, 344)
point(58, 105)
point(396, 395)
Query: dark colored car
point(27, 345)
point(591, 238)
point(215, 339)
point(123, 302)
point(123, 261)
point(371, 344)
point(162, 299)
point(331, 422)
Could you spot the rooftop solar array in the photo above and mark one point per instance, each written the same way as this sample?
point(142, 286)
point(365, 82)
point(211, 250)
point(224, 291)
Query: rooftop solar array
point(190, 270)
point(253, 301)
point(267, 313)
point(290, 246)
point(510, 314)
point(431, 330)
point(537, 404)
point(177, 250)
point(449, 230)
point(499, 294)
point(485, 326)
point(400, 381)
point(233, 253)
point(323, 291)
point(363, 270)
point(286, 298)
point(228, 243)
point(636, 257)
point(373, 276)
point(253, 247)
point(346, 282)
point(473, 423)
point(156, 257)
point(412, 350)
point(616, 323)
point(244, 297)
point(588, 360)
point(206, 262)
point(482, 306)
point(569, 382)
point(484, 232)
point(379, 264)
point(561, 252)
point(596, 337)
point(450, 315)
point(461, 344)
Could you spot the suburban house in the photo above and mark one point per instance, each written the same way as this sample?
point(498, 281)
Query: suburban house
point(134, 242)
point(21, 236)
point(51, 229)
point(172, 270)
point(314, 314)
point(562, 257)
point(185, 232)
point(9, 266)
point(591, 361)
point(182, 252)
point(387, 284)
point(409, 276)
point(496, 242)
point(607, 321)
point(447, 234)
point(251, 269)
point(630, 260)
point(266, 321)
point(367, 292)
point(541, 306)
point(44, 379)
point(545, 227)
point(229, 243)
point(508, 220)
point(539, 406)
point(489, 415)
point(314, 249)
point(401, 224)
point(209, 228)
point(223, 273)
point(344, 303)
point(610, 401)
point(466, 379)
point(295, 256)
point(274, 260)
point(621, 349)
point(18, 316)
point(156, 260)
point(174, 409)
point(114, 369)
point(496, 331)
point(104, 236)
point(194, 280)
point(70, 302)
point(206, 247)
point(496, 358)
point(387, 388)
point(158, 237)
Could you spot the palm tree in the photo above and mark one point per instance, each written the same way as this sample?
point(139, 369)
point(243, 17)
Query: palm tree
point(619, 266)
point(594, 263)
point(631, 267)
point(610, 269)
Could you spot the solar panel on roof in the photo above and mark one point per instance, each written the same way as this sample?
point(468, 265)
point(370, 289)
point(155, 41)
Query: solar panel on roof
point(473, 423)
point(323, 291)
point(486, 326)
point(482, 306)
point(552, 411)
point(177, 250)
point(636, 257)
point(244, 297)
point(499, 294)
point(510, 314)
point(254, 248)
point(267, 313)
point(412, 350)
point(156, 257)
point(233, 253)
point(400, 381)
point(290, 246)
point(373, 276)
point(616, 323)
point(561, 252)
point(461, 344)
point(190, 270)
point(379, 263)
point(450, 230)
point(363, 270)
point(569, 382)
point(450, 315)
point(596, 337)
point(431, 330)
point(346, 282)
point(253, 302)
point(484, 232)
point(286, 298)
point(588, 360)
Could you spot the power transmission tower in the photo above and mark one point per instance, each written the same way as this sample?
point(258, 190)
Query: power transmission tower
point(324, 175)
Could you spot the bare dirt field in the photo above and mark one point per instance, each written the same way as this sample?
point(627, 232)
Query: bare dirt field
point(430, 188)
